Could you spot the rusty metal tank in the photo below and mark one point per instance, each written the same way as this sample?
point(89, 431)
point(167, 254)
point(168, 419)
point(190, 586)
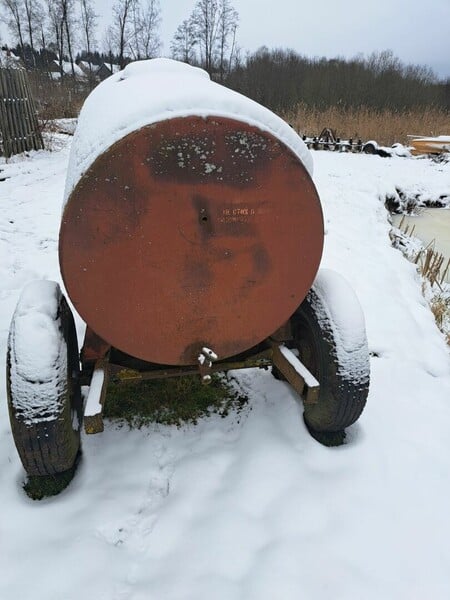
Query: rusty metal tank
point(191, 218)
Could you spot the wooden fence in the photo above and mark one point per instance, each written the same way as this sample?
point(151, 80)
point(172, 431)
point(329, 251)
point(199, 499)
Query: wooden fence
point(19, 126)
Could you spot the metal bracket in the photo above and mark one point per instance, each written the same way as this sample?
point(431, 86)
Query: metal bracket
point(303, 382)
point(205, 362)
point(93, 411)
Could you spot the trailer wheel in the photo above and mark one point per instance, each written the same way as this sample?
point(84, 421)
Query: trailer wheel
point(329, 332)
point(43, 388)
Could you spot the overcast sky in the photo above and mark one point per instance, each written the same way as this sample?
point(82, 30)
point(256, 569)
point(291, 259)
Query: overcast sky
point(417, 31)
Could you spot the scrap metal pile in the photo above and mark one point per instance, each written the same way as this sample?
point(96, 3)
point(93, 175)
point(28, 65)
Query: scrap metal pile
point(328, 140)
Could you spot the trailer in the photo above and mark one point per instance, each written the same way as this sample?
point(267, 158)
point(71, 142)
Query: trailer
point(190, 242)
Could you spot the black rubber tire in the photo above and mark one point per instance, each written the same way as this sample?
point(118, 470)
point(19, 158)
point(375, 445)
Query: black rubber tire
point(369, 148)
point(48, 444)
point(341, 398)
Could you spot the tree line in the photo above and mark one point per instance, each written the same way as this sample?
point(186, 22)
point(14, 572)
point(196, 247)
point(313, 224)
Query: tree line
point(282, 79)
point(45, 29)
point(49, 30)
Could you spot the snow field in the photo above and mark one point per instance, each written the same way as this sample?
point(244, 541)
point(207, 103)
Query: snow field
point(249, 507)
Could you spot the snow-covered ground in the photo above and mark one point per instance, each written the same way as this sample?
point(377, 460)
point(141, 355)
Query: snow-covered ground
point(251, 507)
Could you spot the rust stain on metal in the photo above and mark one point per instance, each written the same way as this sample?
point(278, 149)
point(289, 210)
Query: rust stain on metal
point(261, 259)
point(191, 232)
point(197, 275)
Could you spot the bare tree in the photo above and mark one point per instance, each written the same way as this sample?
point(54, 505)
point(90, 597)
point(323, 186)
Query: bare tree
point(121, 32)
point(56, 31)
point(184, 42)
point(206, 19)
point(61, 20)
point(215, 23)
point(228, 23)
point(88, 20)
point(14, 19)
point(108, 45)
point(33, 20)
point(145, 42)
point(68, 18)
point(150, 40)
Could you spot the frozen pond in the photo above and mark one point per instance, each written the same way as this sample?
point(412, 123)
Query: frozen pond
point(431, 224)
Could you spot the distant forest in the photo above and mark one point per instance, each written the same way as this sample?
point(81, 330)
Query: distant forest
point(282, 79)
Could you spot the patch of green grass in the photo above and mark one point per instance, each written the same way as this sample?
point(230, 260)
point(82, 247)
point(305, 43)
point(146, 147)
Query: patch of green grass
point(172, 401)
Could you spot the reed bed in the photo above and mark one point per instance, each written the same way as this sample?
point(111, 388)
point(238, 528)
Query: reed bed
point(434, 268)
point(431, 264)
point(385, 126)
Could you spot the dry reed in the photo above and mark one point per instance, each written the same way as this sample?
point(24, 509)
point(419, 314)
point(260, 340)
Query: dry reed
point(434, 269)
point(440, 307)
point(432, 264)
point(386, 126)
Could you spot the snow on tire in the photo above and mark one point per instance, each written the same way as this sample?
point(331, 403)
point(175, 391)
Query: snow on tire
point(44, 397)
point(329, 331)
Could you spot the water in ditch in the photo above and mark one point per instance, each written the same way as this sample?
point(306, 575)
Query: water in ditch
point(431, 225)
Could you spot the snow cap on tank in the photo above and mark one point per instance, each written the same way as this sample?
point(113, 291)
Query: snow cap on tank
point(150, 91)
